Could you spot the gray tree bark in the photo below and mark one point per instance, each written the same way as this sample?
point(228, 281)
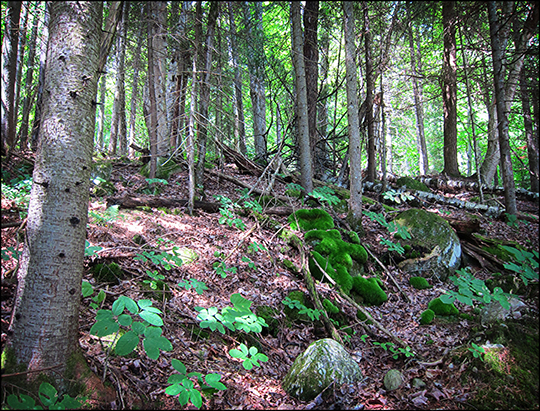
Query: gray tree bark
point(354, 216)
point(45, 317)
point(371, 165)
point(306, 173)
point(532, 140)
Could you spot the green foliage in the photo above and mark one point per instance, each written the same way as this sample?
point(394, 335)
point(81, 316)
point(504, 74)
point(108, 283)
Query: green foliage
point(310, 219)
point(154, 186)
point(18, 190)
point(103, 272)
point(222, 269)
point(240, 317)
point(109, 322)
point(250, 357)
point(302, 309)
point(441, 308)
point(156, 278)
point(164, 168)
point(527, 264)
point(397, 197)
point(412, 184)
point(369, 289)
point(49, 399)
point(87, 290)
point(165, 259)
point(227, 212)
point(396, 351)
point(477, 351)
point(198, 286)
point(353, 236)
point(108, 216)
point(323, 262)
point(427, 317)
point(254, 247)
point(512, 220)
point(251, 264)
point(294, 190)
point(183, 386)
point(420, 283)
point(393, 246)
point(329, 306)
point(472, 289)
point(91, 251)
point(10, 252)
point(325, 195)
point(398, 230)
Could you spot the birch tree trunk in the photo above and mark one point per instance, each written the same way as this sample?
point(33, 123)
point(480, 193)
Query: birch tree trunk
point(45, 319)
point(354, 216)
point(306, 173)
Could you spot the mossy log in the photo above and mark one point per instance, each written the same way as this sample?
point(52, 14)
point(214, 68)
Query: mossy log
point(151, 201)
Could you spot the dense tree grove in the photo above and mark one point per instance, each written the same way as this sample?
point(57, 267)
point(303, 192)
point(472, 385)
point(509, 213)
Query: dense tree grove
point(246, 88)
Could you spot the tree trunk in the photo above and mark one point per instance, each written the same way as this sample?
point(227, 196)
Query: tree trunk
point(450, 89)
point(532, 140)
point(23, 27)
point(152, 94)
point(354, 216)
point(44, 38)
point(118, 123)
point(306, 173)
point(28, 94)
point(371, 166)
point(205, 64)
point(256, 66)
point(9, 71)
point(45, 319)
point(311, 64)
point(498, 74)
point(135, 90)
point(239, 127)
point(423, 165)
point(101, 112)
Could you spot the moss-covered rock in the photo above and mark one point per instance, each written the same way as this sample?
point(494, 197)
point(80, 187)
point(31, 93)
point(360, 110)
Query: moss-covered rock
point(420, 283)
point(393, 380)
point(369, 289)
point(434, 233)
point(324, 362)
point(311, 219)
point(427, 317)
point(440, 308)
point(324, 263)
point(412, 184)
point(330, 307)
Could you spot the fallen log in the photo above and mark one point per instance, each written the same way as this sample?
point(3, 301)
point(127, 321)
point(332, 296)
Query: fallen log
point(133, 202)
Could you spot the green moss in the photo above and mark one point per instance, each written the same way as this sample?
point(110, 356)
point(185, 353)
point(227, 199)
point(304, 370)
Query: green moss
point(412, 184)
point(313, 237)
point(441, 308)
point(290, 238)
point(107, 273)
point(344, 279)
point(293, 193)
point(330, 307)
point(164, 168)
point(289, 265)
point(420, 283)
point(324, 263)
point(353, 237)
point(311, 219)
point(362, 317)
point(427, 317)
point(369, 289)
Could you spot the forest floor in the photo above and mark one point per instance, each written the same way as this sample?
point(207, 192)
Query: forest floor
point(452, 376)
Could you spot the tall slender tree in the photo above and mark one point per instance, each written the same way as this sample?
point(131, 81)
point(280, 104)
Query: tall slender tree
point(45, 316)
point(354, 216)
point(370, 86)
point(306, 173)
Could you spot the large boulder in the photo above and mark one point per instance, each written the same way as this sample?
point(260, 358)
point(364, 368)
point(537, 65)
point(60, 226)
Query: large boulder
point(324, 362)
point(432, 232)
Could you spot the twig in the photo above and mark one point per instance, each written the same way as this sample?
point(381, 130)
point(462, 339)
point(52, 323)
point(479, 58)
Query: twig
point(31, 371)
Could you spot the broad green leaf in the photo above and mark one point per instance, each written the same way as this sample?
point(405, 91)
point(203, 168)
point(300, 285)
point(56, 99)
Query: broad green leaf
point(153, 332)
point(138, 327)
point(22, 402)
point(248, 365)
point(131, 306)
point(236, 353)
point(213, 381)
point(176, 379)
point(118, 306)
point(144, 303)
point(104, 327)
point(87, 289)
point(173, 389)
point(152, 310)
point(178, 366)
point(195, 397)
point(127, 343)
point(183, 397)
point(152, 318)
point(104, 315)
point(154, 344)
point(69, 403)
point(47, 394)
point(125, 320)
point(100, 297)
point(240, 302)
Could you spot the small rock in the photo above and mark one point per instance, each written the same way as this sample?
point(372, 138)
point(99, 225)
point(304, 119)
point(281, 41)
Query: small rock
point(393, 380)
point(418, 383)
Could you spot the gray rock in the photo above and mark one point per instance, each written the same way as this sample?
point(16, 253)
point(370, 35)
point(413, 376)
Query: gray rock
point(434, 233)
point(393, 380)
point(494, 311)
point(418, 383)
point(324, 362)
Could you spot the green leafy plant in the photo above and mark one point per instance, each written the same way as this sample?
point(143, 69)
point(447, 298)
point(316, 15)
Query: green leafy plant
point(49, 399)
point(471, 289)
point(397, 196)
point(222, 269)
point(163, 258)
point(108, 216)
point(325, 195)
point(87, 290)
point(149, 329)
point(198, 286)
point(91, 250)
point(310, 312)
point(155, 279)
point(393, 246)
point(155, 186)
point(512, 220)
point(183, 386)
point(254, 247)
point(228, 215)
point(251, 264)
point(250, 357)
point(527, 264)
point(477, 351)
point(396, 351)
point(18, 190)
point(393, 228)
point(253, 205)
point(10, 252)
point(240, 317)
